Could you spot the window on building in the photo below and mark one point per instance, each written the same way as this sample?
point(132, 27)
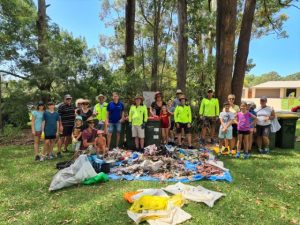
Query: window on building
point(291, 92)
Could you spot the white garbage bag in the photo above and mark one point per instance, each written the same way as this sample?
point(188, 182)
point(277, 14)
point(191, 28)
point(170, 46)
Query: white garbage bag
point(197, 194)
point(74, 174)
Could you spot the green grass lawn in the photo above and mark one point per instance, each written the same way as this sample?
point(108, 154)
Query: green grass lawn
point(265, 190)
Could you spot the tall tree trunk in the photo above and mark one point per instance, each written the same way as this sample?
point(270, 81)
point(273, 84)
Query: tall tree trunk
point(129, 37)
point(226, 24)
point(156, 24)
point(45, 84)
point(182, 45)
point(243, 50)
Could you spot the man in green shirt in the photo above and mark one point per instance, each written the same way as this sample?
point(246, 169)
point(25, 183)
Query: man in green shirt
point(100, 111)
point(138, 116)
point(183, 120)
point(209, 113)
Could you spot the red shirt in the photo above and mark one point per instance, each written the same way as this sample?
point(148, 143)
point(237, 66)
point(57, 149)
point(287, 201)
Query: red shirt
point(164, 119)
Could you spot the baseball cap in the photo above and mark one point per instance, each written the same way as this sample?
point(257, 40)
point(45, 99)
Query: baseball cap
point(78, 118)
point(210, 90)
point(100, 132)
point(178, 91)
point(68, 96)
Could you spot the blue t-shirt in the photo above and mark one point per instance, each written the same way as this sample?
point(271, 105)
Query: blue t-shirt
point(252, 119)
point(115, 111)
point(50, 123)
point(38, 120)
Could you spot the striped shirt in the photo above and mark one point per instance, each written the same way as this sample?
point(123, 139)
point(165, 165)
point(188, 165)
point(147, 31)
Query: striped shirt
point(67, 115)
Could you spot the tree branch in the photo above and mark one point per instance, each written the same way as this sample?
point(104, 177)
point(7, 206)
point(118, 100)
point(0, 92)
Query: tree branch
point(274, 27)
point(143, 13)
point(287, 4)
point(14, 75)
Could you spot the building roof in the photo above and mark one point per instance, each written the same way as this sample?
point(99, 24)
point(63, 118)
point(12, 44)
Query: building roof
point(279, 84)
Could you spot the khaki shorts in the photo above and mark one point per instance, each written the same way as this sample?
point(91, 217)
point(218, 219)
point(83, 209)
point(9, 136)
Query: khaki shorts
point(137, 131)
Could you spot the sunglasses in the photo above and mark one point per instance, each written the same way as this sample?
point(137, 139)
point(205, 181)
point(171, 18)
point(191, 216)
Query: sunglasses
point(85, 103)
point(231, 98)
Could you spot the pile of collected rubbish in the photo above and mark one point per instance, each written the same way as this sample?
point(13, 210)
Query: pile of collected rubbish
point(167, 163)
point(157, 207)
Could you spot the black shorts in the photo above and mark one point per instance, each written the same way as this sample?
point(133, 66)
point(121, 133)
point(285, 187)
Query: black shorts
point(209, 122)
point(263, 130)
point(67, 132)
point(234, 130)
point(50, 137)
point(184, 126)
point(244, 132)
point(172, 125)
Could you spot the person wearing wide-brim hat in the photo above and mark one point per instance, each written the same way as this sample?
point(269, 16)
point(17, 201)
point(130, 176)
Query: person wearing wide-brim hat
point(100, 111)
point(138, 116)
point(183, 120)
point(157, 104)
point(176, 101)
point(209, 113)
point(85, 112)
point(89, 134)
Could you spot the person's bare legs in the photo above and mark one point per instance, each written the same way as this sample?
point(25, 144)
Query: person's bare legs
point(68, 140)
point(250, 140)
point(203, 133)
point(226, 143)
point(118, 139)
point(259, 142)
point(233, 143)
point(265, 141)
point(179, 137)
point(189, 137)
point(46, 146)
point(108, 139)
point(36, 145)
point(246, 143)
point(137, 143)
point(142, 141)
point(239, 142)
point(51, 145)
point(212, 131)
point(61, 141)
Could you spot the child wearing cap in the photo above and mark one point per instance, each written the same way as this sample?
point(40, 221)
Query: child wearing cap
point(100, 143)
point(36, 127)
point(225, 131)
point(77, 133)
point(183, 120)
point(50, 127)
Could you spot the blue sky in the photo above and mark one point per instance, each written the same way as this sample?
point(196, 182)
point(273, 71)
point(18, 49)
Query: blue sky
point(81, 18)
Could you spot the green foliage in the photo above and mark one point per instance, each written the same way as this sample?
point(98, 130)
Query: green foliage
point(11, 132)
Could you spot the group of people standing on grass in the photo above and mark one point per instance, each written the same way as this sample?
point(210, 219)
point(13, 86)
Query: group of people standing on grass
point(92, 128)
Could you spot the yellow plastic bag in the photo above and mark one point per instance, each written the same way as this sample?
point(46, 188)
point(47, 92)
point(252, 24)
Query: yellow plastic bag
point(156, 203)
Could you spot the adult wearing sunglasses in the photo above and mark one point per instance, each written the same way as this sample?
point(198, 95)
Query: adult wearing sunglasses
point(157, 104)
point(66, 113)
point(234, 109)
point(85, 112)
point(89, 134)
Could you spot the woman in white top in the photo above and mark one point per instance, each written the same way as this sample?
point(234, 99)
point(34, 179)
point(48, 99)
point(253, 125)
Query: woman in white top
point(264, 116)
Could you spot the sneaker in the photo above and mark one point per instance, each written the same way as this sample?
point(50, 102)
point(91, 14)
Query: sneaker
point(37, 158)
point(246, 155)
point(261, 151)
point(238, 155)
point(50, 156)
point(66, 150)
point(266, 151)
point(59, 155)
point(191, 147)
point(42, 158)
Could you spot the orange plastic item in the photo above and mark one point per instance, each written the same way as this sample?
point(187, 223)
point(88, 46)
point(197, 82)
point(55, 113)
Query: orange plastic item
point(128, 196)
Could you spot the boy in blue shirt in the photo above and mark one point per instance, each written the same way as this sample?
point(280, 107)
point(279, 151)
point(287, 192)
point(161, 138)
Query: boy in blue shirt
point(115, 116)
point(50, 128)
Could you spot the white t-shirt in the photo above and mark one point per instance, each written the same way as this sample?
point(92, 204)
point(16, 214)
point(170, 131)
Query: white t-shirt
point(226, 117)
point(262, 113)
